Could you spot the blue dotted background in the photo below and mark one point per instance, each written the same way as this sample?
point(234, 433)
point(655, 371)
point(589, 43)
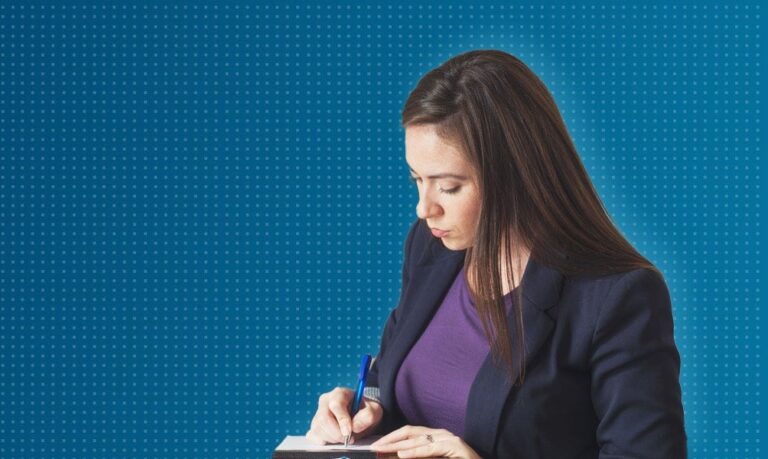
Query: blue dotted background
point(202, 207)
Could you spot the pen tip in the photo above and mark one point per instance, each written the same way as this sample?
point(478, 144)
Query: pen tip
point(346, 440)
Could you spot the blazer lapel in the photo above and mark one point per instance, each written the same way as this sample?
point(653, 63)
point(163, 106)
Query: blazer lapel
point(541, 289)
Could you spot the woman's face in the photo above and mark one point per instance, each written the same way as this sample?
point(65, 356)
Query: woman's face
point(449, 198)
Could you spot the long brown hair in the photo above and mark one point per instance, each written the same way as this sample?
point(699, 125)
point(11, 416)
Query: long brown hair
point(534, 188)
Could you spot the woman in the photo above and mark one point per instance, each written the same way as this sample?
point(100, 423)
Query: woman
point(527, 325)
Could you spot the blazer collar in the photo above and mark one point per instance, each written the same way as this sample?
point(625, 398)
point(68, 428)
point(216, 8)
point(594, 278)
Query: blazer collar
point(430, 280)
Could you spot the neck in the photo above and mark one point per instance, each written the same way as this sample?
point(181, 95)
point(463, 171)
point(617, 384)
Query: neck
point(519, 262)
point(518, 269)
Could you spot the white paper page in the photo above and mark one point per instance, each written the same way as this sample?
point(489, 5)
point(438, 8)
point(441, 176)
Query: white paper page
point(300, 443)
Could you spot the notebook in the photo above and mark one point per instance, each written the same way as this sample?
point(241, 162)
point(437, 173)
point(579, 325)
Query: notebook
point(298, 447)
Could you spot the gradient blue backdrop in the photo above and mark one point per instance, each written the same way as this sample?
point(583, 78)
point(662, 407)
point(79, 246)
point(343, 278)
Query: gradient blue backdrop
point(202, 207)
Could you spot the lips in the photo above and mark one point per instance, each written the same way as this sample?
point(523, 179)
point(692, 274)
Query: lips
point(438, 233)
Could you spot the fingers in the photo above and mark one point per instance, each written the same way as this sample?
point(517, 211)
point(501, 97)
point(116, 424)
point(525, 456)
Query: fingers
point(369, 415)
point(395, 435)
point(314, 438)
point(408, 443)
point(419, 441)
point(339, 407)
point(331, 421)
point(428, 450)
point(407, 439)
point(402, 433)
point(325, 426)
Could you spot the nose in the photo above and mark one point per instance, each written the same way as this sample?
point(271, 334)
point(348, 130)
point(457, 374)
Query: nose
point(427, 208)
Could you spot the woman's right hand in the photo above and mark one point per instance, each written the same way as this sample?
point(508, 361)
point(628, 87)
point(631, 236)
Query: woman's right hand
point(332, 422)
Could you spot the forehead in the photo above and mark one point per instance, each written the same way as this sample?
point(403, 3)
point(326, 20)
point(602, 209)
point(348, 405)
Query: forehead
point(426, 152)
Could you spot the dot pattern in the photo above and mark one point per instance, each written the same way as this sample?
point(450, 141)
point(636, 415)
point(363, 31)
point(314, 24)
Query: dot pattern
point(202, 207)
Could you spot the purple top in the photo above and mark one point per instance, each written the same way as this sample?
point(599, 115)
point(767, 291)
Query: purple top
point(432, 385)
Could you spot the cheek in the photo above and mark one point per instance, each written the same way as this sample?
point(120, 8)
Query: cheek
point(470, 212)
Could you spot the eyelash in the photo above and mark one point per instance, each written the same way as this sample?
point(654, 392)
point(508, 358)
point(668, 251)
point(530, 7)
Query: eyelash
point(451, 191)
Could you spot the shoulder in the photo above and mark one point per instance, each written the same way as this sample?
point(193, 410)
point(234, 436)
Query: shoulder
point(641, 284)
point(613, 283)
point(599, 304)
point(604, 290)
point(637, 298)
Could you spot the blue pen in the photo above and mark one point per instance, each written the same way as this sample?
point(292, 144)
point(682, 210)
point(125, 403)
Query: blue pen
point(364, 365)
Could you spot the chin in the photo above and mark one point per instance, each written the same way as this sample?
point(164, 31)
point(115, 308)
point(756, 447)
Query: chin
point(450, 245)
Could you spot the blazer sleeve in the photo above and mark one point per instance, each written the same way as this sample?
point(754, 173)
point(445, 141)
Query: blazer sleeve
point(635, 368)
point(390, 326)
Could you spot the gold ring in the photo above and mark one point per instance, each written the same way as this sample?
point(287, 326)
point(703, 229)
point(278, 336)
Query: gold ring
point(429, 438)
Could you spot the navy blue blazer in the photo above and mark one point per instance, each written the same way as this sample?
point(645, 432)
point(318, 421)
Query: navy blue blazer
point(602, 368)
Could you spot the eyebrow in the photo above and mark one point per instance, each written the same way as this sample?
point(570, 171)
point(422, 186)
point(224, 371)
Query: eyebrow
point(444, 175)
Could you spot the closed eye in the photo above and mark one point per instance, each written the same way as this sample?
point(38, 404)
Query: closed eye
point(450, 191)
